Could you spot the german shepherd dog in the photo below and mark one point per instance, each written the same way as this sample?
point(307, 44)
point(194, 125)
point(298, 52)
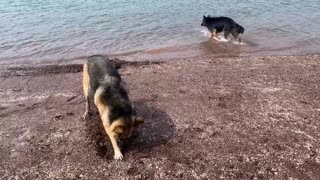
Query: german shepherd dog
point(218, 24)
point(102, 84)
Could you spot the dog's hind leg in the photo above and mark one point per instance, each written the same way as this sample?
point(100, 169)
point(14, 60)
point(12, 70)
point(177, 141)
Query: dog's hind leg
point(87, 91)
point(88, 99)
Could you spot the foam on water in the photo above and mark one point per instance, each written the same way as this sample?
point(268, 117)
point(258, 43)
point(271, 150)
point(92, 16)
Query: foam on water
point(204, 32)
point(207, 33)
point(220, 38)
point(239, 43)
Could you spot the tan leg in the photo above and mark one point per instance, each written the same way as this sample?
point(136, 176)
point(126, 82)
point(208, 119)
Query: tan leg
point(113, 137)
point(86, 90)
point(117, 152)
point(214, 35)
point(113, 131)
point(88, 109)
point(104, 113)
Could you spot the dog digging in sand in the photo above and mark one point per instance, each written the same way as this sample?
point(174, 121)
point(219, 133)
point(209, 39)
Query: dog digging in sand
point(218, 24)
point(103, 86)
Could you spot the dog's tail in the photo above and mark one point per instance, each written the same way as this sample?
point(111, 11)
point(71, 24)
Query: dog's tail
point(240, 29)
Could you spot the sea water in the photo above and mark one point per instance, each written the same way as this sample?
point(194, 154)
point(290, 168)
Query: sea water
point(53, 30)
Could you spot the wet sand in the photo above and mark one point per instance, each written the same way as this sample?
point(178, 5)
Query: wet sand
point(205, 118)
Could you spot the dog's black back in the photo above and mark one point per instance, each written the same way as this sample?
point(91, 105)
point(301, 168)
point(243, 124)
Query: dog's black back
point(103, 74)
point(98, 68)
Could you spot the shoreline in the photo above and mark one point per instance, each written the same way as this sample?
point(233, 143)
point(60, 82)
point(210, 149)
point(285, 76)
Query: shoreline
point(203, 49)
point(228, 117)
point(124, 59)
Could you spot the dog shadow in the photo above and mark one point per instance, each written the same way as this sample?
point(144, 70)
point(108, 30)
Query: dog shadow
point(157, 129)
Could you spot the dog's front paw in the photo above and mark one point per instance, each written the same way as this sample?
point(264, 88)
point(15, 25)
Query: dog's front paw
point(118, 156)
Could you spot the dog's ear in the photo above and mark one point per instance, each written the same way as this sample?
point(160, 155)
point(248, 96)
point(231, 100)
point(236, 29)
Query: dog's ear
point(204, 16)
point(137, 121)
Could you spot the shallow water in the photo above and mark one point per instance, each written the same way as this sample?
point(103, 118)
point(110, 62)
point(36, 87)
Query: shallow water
point(43, 30)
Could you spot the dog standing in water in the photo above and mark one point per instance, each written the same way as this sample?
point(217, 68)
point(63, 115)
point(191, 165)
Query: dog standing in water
point(103, 86)
point(218, 24)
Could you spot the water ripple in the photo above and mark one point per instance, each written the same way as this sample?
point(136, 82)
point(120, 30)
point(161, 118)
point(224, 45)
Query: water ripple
point(51, 30)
